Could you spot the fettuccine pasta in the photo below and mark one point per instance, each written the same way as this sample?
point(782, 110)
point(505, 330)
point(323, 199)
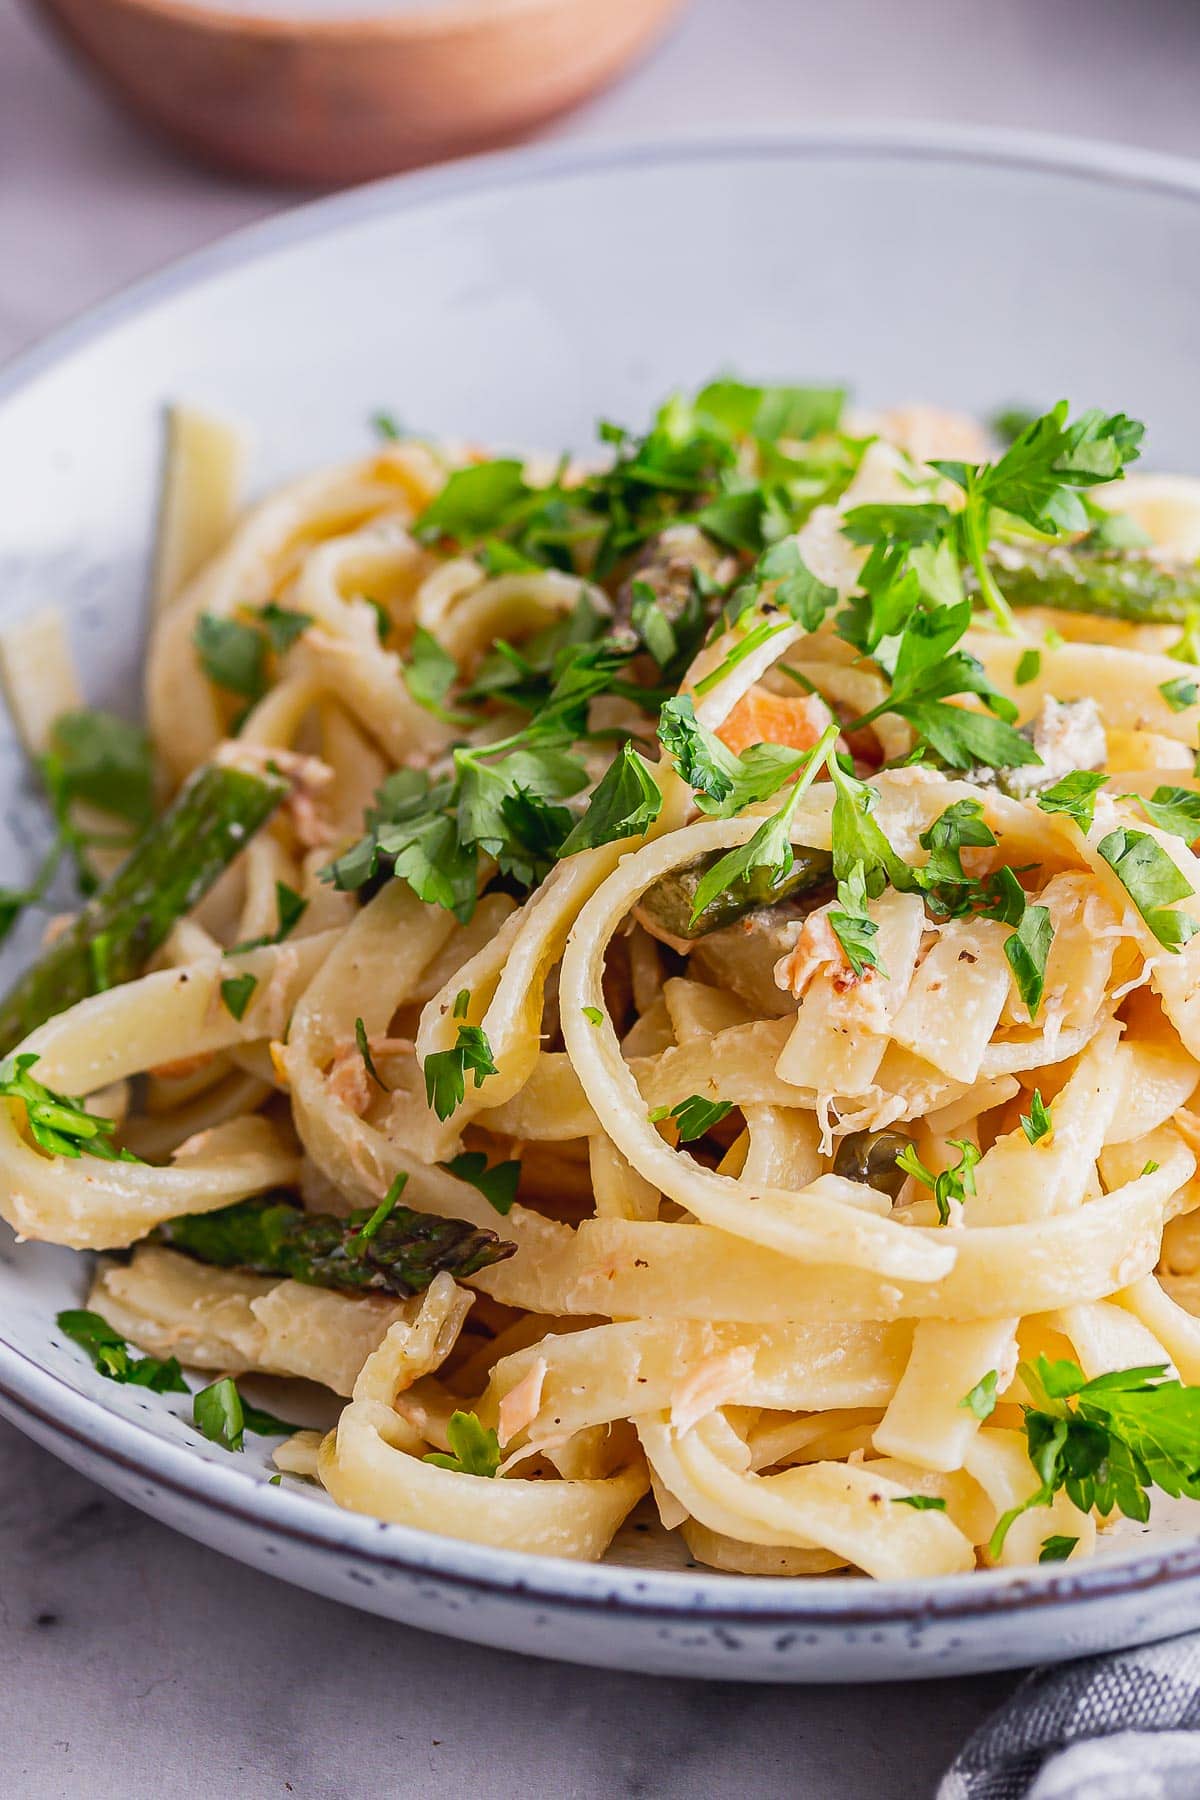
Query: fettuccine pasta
point(673, 981)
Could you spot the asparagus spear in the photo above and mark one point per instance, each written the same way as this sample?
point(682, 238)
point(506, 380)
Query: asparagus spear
point(172, 866)
point(271, 1235)
point(1112, 586)
point(669, 902)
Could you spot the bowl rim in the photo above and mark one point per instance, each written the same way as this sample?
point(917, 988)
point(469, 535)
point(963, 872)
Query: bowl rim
point(415, 24)
point(51, 1406)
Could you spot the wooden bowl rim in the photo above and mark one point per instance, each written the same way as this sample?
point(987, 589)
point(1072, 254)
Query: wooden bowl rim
point(447, 18)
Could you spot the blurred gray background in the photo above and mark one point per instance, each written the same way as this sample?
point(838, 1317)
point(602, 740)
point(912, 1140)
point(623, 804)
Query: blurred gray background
point(135, 1664)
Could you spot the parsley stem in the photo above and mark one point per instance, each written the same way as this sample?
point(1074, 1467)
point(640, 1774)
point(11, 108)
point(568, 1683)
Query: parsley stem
point(973, 520)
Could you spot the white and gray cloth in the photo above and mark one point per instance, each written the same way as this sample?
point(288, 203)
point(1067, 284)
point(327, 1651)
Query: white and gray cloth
point(1120, 1727)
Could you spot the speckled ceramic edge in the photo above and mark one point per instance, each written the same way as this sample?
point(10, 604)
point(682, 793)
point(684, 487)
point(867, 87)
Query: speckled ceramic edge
point(119, 1453)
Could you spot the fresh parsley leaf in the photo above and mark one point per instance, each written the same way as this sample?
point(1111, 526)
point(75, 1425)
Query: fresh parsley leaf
point(111, 1355)
point(1074, 795)
point(1152, 882)
point(1027, 949)
point(446, 1070)
point(920, 1502)
point(625, 803)
point(857, 839)
point(429, 674)
point(383, 619)
point(852, 924)
point(290, 908)
point(693, 1117)
point(475, 502)
point(364, 1050)
point(233, 655)
point(384, 425)
point(769, 413)
point(797, 590)
point(724, 783)
point(473, 1450)
point(96, 757)
point(1037, 482)
point(593, 1015)
point(1029, 667)
point(283, 626)
point(982, 1398)
point(770, 847)
point(265, 1424)
point(1056, 1549)
point(1180, 693)
point(218, 1414)
point(498, 1184)
point(1188, 648)
point(1173, 809)
point(1037, 1123)
point(1107, 1441)
point(58, 1124)
point(221, 1415)
point(1011, 421)
point(237, 991)
point(956, 1183)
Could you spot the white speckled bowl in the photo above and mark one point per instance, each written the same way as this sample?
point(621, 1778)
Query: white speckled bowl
point(513, 300)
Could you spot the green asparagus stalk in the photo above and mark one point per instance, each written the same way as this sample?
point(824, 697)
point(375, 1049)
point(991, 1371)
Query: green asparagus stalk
point(1112, 586)
point(669, 902)
point(361, 1254)
point(172, 866)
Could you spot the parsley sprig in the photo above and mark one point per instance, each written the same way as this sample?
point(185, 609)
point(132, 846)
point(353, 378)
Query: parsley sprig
point(474, 1448)
point(953, 1185)
point(1106, 1442)
point(102, 761)
point(58, 1124)
point(446, 1070)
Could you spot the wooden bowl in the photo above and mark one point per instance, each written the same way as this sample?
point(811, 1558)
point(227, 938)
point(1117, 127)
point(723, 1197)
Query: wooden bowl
point(338, 100)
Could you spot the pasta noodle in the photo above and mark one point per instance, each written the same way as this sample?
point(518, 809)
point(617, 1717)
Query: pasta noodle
point(713, 1010)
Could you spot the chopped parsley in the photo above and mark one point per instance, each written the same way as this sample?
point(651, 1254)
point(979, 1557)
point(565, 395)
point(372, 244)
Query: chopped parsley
point(1027, 948)
point(364, 1050)
point(693, 1117)
point(1173, 809)
point(474, 1449)
point(625, 803)
point(1179, 694)
point(446, 1070)
point(1037, 1123)
point(111, 1355)
point(770, 847)
point(103, 761)
point(232, 654)
point(58, 1124)
point(1153, 883)
point(852, 924)
point(593, 1015)
point(498, 1184)
point(981, 1401)
point(954, 1184)
point(1074, 795)
point(237, 991)
point(220, 1414)
point(290, 908)
point(920, 1502)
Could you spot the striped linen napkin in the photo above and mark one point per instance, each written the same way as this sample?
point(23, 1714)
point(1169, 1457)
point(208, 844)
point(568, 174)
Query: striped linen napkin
point(1119, 1727)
